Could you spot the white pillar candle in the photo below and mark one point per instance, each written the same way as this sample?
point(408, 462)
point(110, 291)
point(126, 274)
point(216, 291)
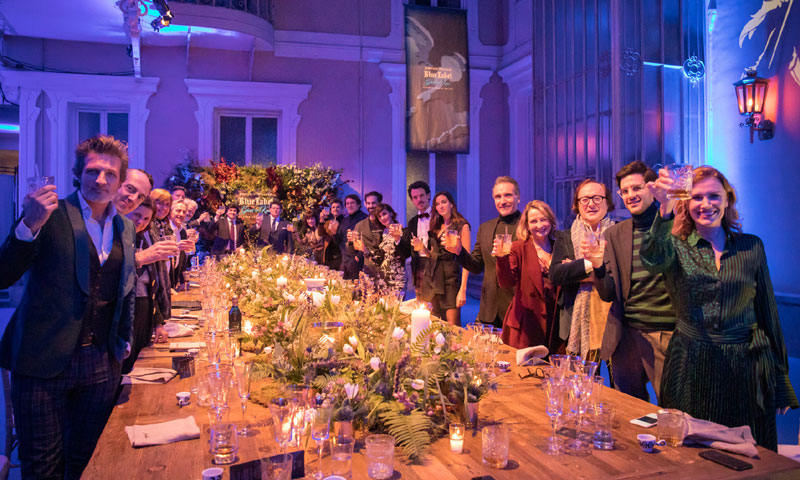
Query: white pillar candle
point(456, 443)
point(420, 320)
point(281, 281)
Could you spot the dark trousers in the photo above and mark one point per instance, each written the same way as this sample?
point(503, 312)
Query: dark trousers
point(639, 357)
point(142, 330)
point(60, 419)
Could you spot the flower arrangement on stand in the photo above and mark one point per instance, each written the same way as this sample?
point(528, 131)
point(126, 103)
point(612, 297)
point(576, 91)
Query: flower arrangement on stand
point(353, 346)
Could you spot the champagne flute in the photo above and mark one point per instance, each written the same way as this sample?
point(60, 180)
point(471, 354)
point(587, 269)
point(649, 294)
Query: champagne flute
point(244, 372)
point(282, 417)
point(554, 410)
point(321, 430)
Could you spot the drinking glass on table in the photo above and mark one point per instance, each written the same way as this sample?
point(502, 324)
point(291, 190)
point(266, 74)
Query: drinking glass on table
point(494, 440)
point(342, 455)
point(282, 417)
point(224, 443)
point(219, 383)
point(554, 396)
point(580, 389)
point(603, 420)
point(243, 371)
point(380, 456)
point(321, 430)
point(670, 426)
point(277, 467)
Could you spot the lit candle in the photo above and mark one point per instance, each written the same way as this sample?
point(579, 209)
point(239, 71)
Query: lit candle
point(420, 321)
point(248, 327)
point(457, 431)
point(281, 281)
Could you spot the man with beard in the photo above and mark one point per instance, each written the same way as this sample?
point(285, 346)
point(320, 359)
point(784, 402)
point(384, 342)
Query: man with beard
point(351, 264)
point(371, 232)
point(66, 340)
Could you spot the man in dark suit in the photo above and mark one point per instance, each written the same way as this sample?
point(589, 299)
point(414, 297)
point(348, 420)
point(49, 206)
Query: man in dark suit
point(351, 264)
point(642, 319)
point(228, 232)
point(273, 231)
point(371, 231)
point(72, 329)
point(495, 300)
point(420, 194)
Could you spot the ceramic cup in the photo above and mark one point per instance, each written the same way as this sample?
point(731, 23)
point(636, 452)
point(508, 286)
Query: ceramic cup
point(503, 365)
point(183, 398)
point(214, 473)
point(647, 442)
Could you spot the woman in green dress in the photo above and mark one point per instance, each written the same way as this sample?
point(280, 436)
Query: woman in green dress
point(727, 360)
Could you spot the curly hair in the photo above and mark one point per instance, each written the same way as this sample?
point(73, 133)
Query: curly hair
point(684, 223)
point(103, 145)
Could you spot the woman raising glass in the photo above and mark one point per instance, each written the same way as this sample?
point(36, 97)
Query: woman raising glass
point(390, 254)
point(726, 361)
point(530, 320)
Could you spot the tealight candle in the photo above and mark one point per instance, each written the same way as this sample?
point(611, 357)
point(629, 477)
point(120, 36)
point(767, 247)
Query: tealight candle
point(457, 431)
point(420, 321)
point(281, 281)
point(248, 327)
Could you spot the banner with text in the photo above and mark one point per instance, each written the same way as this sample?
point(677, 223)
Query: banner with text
point(437, 80)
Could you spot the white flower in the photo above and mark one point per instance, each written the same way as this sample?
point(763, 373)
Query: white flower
point(437, 350)
point(269, 270)
point(317, 298)
point(254, 274)
point(351, 390)
point(227, 285)
point(288, 296)
point(353, 340)
point(335, 299)
point(267, 350)
point(375, 363)
point(417, 384)
point(348, 349)
point(439, 339)
point(398, 333)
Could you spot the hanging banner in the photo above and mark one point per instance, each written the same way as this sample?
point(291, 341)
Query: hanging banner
point(437, 80)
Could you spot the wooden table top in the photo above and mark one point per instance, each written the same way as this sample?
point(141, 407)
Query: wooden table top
point(518, 403)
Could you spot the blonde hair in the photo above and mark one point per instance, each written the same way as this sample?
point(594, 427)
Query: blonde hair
point(522, 227)
point(160, 195)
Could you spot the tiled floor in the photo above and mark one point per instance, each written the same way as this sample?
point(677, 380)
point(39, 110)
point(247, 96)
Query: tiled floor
point(787, 424)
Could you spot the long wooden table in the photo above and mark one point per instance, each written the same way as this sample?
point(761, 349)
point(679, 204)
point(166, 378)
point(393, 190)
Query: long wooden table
point(518, 403)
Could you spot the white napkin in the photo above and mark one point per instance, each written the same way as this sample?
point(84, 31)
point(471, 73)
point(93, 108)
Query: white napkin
point(186, 316)
point(164, 432)
point(731, 439)
point(140, 375)
point(186, 345)
point(531, 355)
point(175, 329)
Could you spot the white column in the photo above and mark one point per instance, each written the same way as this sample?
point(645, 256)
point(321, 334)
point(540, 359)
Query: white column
point(518, 78)
point(28, 114)
point(469, 165)
point(395, 73)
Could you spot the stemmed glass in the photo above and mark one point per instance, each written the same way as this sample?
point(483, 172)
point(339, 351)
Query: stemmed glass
point(282, 417)
point(244, 372)
point(580, 389)
point(219, 383)
point(554, 390)
point(299, 396)
point(321, 430)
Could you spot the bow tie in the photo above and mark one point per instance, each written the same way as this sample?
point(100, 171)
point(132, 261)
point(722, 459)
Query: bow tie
point(424, 215)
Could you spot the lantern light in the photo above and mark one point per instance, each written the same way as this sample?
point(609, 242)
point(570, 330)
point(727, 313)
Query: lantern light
point(751, 94)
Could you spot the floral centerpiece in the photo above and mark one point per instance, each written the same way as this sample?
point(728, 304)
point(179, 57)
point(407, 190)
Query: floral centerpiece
point(352, 344)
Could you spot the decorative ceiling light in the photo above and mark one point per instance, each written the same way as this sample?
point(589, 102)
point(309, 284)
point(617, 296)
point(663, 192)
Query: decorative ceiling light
point(751, 94)
point(165, 15)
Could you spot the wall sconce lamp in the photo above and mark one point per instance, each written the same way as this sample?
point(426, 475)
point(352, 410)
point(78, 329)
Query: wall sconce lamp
point(751, 91)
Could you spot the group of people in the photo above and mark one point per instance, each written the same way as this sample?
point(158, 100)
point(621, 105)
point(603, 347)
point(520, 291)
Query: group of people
point(675, 295)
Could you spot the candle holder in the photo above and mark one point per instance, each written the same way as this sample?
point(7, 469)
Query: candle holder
point(457, 433)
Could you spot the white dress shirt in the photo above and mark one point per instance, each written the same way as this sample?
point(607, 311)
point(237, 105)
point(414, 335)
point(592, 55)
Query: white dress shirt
point(423, 224)
point(102, 236)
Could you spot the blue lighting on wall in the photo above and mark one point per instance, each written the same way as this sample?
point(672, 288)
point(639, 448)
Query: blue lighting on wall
point(4, 127)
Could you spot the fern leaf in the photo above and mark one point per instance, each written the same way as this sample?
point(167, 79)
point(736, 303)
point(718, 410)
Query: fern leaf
point(411, 432)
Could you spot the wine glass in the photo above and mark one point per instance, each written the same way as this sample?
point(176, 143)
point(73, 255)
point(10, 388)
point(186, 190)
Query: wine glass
point(580, 389)
point(243, 371)
point(219, 383)
point(321, 430)
point(555, 408)
point(282, 417)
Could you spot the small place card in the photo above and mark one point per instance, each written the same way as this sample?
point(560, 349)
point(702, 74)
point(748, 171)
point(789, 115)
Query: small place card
point(184, 366)
point(252, 470)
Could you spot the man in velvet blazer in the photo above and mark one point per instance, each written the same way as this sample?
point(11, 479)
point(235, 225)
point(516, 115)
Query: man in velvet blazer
point(72, 329)
point(495, 299)
point(221, 231)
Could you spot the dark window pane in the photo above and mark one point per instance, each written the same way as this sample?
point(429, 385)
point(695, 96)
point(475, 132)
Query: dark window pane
point(265, 141)
point(447, 173)
point(416, 169)
point(231, 139)
point(88, 125)
point(118, 126)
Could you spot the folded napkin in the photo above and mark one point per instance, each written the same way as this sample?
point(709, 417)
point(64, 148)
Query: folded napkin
point(731, 439)
point(790, 451)
point(164, 432)
point(531, 355)
point(186, 345)
point(175, 329)
point(140, 375)
point(185, 316)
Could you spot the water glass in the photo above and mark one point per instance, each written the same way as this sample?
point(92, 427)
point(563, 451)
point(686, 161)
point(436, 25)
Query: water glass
point(504, 239)
point(681, 174)
point(494, 439)
point(282, 417)
point(224, 443)
point(277, 467)
point(670, 426)
point(603, 420)
point(342, 455)
point(380, 456)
